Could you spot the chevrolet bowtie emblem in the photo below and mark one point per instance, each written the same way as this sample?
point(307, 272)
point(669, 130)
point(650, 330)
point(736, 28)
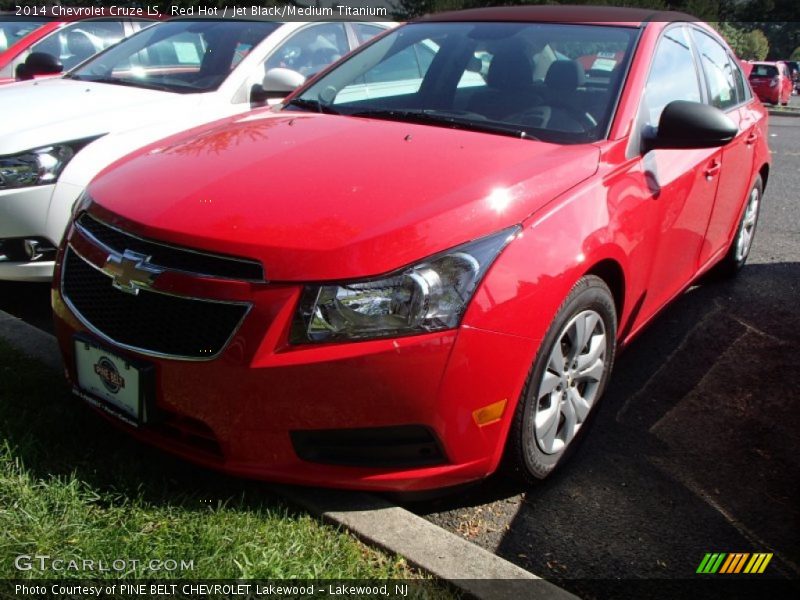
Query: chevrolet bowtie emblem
point(131, 272)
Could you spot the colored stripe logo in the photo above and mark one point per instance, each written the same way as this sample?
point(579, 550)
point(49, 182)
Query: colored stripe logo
point(735, 562)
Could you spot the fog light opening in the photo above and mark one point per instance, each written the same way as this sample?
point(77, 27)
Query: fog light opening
point(32, 249)
point(26, 250)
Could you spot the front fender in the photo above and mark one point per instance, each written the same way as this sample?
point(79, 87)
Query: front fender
point(529, 281)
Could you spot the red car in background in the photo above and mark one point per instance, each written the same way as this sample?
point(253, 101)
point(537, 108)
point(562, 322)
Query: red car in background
point(69, 42)
point(413, 268)
point(771, 81)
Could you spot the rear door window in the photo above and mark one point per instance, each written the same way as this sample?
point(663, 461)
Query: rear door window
point(365, 31)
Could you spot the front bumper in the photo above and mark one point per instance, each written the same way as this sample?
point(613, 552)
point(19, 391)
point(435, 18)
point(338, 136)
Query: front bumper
point(23, 214)
point(27, 270)
point(239, 412)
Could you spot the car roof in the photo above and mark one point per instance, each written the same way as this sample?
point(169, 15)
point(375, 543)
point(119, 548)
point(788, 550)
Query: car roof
point(631, 17)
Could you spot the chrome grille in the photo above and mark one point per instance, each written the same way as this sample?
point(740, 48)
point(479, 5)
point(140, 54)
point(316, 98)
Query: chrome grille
point(150, 322)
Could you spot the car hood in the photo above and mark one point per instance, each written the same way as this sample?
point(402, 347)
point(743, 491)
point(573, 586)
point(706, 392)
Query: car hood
point(321, 197)
point(47, 111)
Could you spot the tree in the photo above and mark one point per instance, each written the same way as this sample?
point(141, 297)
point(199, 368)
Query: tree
point(777, 19)
point(733, 35)
point(755, 45)
point(796, 54)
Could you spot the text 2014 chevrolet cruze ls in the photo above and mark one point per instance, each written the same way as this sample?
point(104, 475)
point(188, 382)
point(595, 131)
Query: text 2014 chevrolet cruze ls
point(425, 260)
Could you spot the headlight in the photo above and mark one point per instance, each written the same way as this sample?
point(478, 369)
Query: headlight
point(39, 166)
point(429, 296)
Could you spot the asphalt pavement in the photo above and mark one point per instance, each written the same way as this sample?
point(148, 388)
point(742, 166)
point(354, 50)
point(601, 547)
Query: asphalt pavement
point(695, 447)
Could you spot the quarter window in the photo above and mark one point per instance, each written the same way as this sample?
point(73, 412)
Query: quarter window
point(742, 89)
point(365, 32)
point(673, 76)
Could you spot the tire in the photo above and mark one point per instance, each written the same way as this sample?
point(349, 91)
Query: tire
point(742, 242)
point(547, 425)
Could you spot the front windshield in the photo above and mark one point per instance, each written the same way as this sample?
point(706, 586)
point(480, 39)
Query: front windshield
point(13, 31)
point(554, 82)
point(177, 56)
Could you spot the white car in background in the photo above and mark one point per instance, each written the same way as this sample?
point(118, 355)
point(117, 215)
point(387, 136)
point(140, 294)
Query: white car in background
point(57, 134)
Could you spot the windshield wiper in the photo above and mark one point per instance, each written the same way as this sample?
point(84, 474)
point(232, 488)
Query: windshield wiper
point(313, 105)
point(442, 118)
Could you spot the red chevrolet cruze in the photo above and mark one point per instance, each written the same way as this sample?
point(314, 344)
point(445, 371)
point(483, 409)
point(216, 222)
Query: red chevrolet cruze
point(425, 260)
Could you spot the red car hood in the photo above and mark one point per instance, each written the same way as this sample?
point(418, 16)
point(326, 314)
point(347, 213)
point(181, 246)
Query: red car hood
point(318, 197)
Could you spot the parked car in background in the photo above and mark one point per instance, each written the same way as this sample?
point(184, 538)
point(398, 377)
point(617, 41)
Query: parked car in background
point(393, 291)
point(69, 42)
point(55, 133)
point(794, 73)
point(771, 82)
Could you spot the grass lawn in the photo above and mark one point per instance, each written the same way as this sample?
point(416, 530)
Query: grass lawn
point(73, 488)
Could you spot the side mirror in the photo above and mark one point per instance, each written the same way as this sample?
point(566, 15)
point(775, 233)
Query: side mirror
point(686, 124)
point(281, 81)
point(278, 82)
point(39, 63)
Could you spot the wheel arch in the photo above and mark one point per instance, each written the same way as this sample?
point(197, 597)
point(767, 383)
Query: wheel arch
point(611, 272)
point(764, 172)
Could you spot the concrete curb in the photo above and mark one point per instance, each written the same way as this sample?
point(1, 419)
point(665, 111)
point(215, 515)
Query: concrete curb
point(791, 112)
point(469, 568)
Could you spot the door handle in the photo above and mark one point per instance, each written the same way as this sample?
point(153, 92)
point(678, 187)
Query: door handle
point(751, 138)
point(712, 170)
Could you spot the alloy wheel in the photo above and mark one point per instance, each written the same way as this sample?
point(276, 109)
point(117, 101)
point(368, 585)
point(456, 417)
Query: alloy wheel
point(745, 237)
point(571, 381)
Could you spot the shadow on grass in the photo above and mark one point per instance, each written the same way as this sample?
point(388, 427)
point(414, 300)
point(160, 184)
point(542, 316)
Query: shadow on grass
point(53, 434)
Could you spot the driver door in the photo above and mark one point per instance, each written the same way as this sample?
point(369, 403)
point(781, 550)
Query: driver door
point(682, 184)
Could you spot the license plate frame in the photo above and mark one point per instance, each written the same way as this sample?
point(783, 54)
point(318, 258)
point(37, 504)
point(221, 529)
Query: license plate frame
point(120, 386)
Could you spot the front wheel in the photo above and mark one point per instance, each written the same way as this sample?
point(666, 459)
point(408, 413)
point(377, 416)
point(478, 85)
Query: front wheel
point(566, 382)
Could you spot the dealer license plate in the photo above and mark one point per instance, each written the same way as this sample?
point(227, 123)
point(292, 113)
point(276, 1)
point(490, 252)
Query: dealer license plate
point(109, 381)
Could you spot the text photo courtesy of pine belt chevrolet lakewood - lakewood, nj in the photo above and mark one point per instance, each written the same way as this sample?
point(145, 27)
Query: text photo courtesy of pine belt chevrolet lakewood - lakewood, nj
point(319, 256)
